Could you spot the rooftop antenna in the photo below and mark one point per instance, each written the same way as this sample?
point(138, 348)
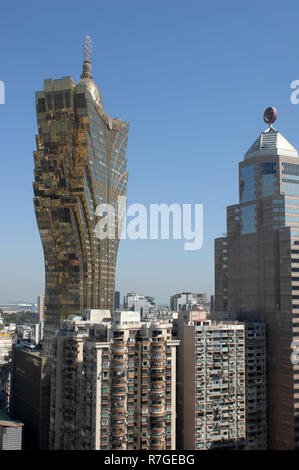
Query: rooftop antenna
point(87, 48)
point(86, 55)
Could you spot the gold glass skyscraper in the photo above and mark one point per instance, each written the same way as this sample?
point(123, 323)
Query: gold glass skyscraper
point(80, 163)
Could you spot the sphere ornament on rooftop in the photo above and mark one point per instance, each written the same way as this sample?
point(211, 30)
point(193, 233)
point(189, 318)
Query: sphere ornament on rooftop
point(270, 115)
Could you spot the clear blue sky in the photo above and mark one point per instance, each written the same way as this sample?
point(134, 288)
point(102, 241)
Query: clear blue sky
point(192, 77)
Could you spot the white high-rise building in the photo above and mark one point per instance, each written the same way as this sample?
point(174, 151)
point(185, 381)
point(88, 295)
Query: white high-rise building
point(113, 384)
point(41, 307)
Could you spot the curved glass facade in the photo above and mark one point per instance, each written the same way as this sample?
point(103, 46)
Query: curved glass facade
point(80, 163)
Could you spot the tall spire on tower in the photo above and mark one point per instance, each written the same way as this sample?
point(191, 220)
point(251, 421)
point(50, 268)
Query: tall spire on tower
point(87, 54)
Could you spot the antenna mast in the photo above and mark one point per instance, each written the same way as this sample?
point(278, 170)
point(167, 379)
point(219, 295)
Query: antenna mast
point(86, 56)
point(87, 48)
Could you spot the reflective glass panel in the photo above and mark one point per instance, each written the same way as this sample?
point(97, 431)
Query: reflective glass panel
point(247, 183)
point(248, 215)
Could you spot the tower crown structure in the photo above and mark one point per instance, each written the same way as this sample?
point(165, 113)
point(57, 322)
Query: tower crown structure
point(86, 81)
point(271, 142)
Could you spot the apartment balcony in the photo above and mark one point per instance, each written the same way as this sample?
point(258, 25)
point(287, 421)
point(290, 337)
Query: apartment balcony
point(157, 362)
point(118, 357)
point(158, 434)
point(158, 428)
point(118, 349)
point(118, 432)
point(156, 394)
point(144, 446)
point(118, 375)
point(116, 415)
point(157, 373)
point(119, 421)
point(119, 341)
point(156, 420)
point(118, 443)
point(158, 348)
point(158, 337)
point(157, 410)
point(118, 406)
point(158, 382)
point(158, 386)
point(118, 388)
point(157, 445)
point(158, 340)
point(119, 365)
point(121, 382)
point(158, 402)
point(118, 396)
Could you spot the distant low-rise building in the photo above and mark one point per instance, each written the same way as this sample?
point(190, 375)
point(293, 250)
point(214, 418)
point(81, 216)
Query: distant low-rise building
point(32, 332)
point(139, 303)
point(177, 301)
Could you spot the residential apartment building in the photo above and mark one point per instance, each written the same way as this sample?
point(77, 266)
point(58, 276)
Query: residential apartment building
point(114, 384)
point(220, 406)
point(256, 385)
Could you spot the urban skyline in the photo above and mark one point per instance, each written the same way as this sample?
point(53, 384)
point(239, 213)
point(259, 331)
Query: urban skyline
point(158, 78)
point(99, 361)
